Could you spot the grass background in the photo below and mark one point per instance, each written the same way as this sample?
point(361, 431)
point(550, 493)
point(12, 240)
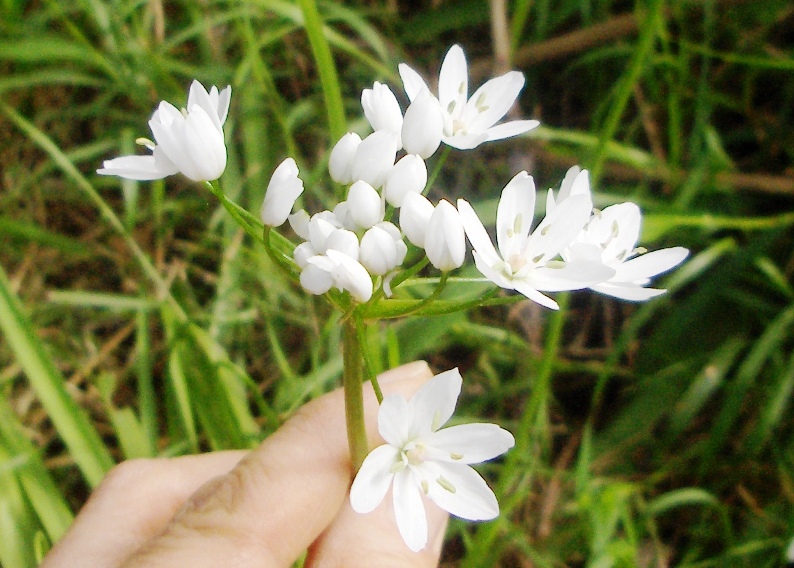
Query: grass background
point(139, 321)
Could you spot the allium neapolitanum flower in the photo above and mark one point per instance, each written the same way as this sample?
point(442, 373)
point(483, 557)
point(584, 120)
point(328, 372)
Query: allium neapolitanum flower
point(188, 141)
point(610, 236)
point(421, 459)
point(468, 122)
point(528, 262)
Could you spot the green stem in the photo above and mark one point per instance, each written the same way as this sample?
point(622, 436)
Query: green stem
point(533, 421)
point(437, 168)
point(354, 394)
point(242, 217)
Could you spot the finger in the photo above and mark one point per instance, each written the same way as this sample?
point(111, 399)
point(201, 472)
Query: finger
point(377, 540)
point(278, 500)
point(133, 503)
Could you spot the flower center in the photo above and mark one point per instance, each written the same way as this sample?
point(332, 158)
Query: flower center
point(416, 454)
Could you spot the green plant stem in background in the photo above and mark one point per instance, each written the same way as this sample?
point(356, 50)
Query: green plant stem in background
point(337, 124)
point(354, 393)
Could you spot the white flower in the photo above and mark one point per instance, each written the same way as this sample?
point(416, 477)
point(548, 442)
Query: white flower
point(527, 262)
point(374, 158)
point(190, 141)
point(382, 110)
point(340, 162)
point(445, 241)
point(420, 459)
point(423, 125)
point(611, 236)
point(409, 174)
point(415, 215)
point(468, 122)
point(282, 191)
point(382, 249)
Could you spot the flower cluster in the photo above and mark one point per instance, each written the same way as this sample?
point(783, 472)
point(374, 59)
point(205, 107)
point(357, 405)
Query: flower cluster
point(347, 247)
point(360, 246)
point(571, 248)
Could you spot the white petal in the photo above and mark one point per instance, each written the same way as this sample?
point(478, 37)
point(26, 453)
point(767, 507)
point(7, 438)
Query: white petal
point(465, 141)
point(445, 240)
point(409, 511)
point(224, 98)
point(204, 144)
point(627, 291)
point(478, 236)
point(394, 420)
point(491, 102)
point(558, 229)
point(412, 81)
point(374, 158)
point(343, 241)
point(315, 279)
point(491, 273)
point(468, 443)
point(423, 125)
point(433, 404)
point(409, 174)
point(364, 205)
point(510, 129)
point(415, 214)
point(381, 108)
point(514, 214)
point(650, 264)
point(378, 251)
point(472, 499)
point(134, 167)
point(453, 81)
point(574, 275)
point(531, 293)
point(299, 222)
point(282, 191)
point(373, 479)
point(340, 162)
point(350, 275)
point(198, 96)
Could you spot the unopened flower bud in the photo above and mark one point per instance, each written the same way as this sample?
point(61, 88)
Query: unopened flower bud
point(409, 174)
point(283, 190)
point(423, 125)
point(374, 158)
point(445, 241)
point(414, 216)
point(340, 162)
point(364, 205)
point(382, 109)
point(381, 249)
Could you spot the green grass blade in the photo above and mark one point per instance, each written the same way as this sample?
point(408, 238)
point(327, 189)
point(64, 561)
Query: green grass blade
point(77, 432)
point(337, 124)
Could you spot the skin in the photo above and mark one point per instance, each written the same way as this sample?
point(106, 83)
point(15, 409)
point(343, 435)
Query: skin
point(262, 508)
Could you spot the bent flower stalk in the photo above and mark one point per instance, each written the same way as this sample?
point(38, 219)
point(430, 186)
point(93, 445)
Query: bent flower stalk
point(367, 253)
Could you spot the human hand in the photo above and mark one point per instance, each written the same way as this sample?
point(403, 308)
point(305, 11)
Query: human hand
point(242, 509)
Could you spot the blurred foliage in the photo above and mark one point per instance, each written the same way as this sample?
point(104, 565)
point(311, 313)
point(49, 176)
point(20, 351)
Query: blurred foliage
point(140, 321)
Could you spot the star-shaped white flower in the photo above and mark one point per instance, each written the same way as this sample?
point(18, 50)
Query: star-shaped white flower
point(468, 122)
point(188, 141)
point(528, 262)
point(610, 237)
point(421, 459)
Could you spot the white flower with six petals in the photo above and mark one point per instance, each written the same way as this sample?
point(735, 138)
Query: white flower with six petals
point(468, 122)
point(422, 459)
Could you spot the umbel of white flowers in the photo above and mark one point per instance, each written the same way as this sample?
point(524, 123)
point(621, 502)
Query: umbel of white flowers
point(189, 141)
point(354, 248)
